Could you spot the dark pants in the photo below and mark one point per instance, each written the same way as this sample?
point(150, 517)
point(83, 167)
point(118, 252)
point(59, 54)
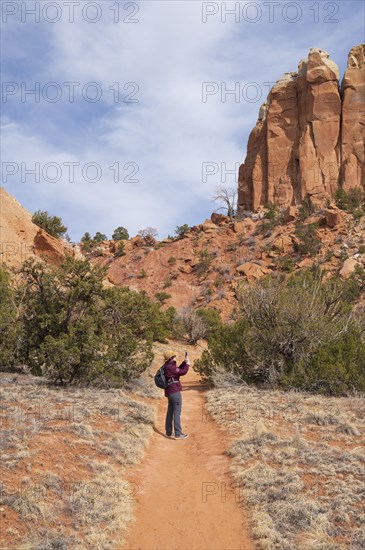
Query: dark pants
point(173, 412)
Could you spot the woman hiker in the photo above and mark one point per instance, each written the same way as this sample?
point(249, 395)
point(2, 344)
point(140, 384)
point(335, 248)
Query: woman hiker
point(173, 393)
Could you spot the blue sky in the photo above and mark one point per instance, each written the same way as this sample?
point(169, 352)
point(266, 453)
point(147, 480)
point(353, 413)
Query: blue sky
point(161, 52)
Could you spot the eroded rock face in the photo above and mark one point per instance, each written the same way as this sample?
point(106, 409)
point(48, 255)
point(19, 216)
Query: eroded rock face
point(353, 120)
point(294, 151)
point(21, 239)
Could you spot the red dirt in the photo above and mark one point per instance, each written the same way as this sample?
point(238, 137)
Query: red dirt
point(184, 497)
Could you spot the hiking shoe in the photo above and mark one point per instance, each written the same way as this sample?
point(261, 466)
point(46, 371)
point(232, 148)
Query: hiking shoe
point(171, 436)
point(182, 436)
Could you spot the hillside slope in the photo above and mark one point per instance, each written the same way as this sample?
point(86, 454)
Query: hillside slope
point(21, 239)
point(204, 266)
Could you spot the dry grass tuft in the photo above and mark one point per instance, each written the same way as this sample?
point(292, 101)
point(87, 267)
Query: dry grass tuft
point(298, 464)
point(65, 453)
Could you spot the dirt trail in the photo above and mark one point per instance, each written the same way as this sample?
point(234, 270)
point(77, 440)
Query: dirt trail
point(184, 500)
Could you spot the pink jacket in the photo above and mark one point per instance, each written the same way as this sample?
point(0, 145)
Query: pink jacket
point(172, 371)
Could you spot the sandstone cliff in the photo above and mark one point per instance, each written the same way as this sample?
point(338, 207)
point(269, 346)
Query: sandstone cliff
point(21, 239)
point(309, 137)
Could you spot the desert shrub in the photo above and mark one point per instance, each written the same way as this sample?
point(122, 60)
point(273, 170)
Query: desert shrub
point(120, 249)
point(174, 323)
point(204, 263)
point(295, 331)
point(212, 320)
point(99, 237)
point(8, 322)
point(306, 209)
point(149, 234)
point(308, 241)
point(90, 243)
point(162, 296)
point(182, 229)
point(226, 352)
point(52, 224)
point(351, 201)
point(75, 330)
point(172, 260)
point(272, 218)
point(285, 263)
point(194, 325)
point(120, 234)
point(335, 368)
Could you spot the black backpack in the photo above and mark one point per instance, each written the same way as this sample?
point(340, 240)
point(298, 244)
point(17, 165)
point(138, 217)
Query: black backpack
point(160, 378)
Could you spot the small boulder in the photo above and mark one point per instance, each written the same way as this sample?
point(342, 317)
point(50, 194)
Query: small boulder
point(219, 219)
point(348, 268)
point(252, 271)
point(290, 214)
point(283, 243)
point(332, 217)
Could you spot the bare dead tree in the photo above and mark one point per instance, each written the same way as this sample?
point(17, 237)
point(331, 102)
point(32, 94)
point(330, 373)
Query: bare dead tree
point(228, 197)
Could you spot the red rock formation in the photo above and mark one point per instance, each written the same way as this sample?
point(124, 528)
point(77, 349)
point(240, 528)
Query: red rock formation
point(21, 239)
point(295, 148)
point(353, 119)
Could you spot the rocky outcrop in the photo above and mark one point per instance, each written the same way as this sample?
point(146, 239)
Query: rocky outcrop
point(294, 151)
point(21, 239)
point(353, 119)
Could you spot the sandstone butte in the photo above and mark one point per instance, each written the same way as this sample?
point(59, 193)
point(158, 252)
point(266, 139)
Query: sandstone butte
point(309, 137)
point(21, 239)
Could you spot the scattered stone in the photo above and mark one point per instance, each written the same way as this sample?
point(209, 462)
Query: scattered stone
point(348, 268)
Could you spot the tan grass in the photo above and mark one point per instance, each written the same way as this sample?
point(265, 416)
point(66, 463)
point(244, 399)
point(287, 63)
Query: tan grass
point(79, 500)
point(298, 464)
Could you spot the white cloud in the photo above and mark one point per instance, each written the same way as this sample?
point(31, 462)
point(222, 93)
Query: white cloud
point(170, 132)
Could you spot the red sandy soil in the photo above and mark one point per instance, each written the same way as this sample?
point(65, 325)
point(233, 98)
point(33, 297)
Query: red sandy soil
point(184, 496)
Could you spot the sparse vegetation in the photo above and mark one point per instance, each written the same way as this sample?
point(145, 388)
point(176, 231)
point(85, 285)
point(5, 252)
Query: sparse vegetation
point(296, 464)
point(194, 325)
point(308, 241)
point(79, 497)
point(120, 249)
point(120, 234)
point(149, 234)
point(182, 229)
point(52, 224)
point(306, 209)
point(9, 326)
point(162, 297)
point(352, 201)
point(294, 332)
point(90, 243)
point(205, 261)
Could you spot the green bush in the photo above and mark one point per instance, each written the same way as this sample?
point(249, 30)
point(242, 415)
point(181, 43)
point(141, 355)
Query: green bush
point(9, 327)
point(120, 234)
point(52, 224)
point(162, 296)
point(212, 320)
point(182, 229)
point(75, 330)
point(308, 241)
point(334, 369)
point(351, 201)
point(295, 331)
point(120, 249)
point(226, 352)
point(205, 261)
point(306, 209)
point(99, 237)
